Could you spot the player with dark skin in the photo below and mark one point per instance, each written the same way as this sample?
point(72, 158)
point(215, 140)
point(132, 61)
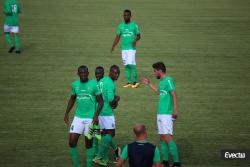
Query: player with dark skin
point(114, 75)
point(127, 18)
point(99, 73)
point(73, 138)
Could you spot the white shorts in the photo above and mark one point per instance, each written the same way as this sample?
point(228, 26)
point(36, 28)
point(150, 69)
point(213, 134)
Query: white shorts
point(128, 57)
point(13, 29)
point(165, 124)
point(107, 122)
point(80, 125)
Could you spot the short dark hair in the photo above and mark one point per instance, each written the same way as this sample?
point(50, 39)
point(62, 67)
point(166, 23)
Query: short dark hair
point(84, 68)
point(127, 11)
point(159, 66)
point(114, 67)
point(139, 129)
point(99, 68)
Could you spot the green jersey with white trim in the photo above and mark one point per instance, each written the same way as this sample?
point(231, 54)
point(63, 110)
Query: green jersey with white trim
point(85, 97)
point(11, 10)
point(128, 32)
point(107, 87)
point(165, 105)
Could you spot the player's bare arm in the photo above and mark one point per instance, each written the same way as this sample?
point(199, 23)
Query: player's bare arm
point(116, 41)
point(114, 103)
point(69, 107)
point(138, 37)
point(99, 108)
point(147, 82)
point(120, 163)
point(175, 113)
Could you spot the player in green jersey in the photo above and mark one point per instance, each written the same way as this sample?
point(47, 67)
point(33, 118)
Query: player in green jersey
point(11, 24)
point(167, 111)
point(106, 117)
point(130, 34)
point(85, 93)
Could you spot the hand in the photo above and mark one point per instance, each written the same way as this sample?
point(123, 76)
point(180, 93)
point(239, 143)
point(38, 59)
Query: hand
point(114, 105)
point(66, 118)
point(117, 98)
point(112, 49)
point(134, 43)
point(145, 80)
point(174, 116)
point(95, 120)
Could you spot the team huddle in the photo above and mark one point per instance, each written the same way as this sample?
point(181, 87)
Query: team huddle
point(96, 100)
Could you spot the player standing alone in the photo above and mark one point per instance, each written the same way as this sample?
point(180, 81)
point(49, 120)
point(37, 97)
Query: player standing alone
point(167, 112)
point(11, 24)
point(130, 34)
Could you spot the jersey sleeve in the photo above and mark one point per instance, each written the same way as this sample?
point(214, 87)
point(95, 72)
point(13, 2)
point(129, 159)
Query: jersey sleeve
point(170, 84)
point(97, 89)
point(157, 157)
point(110, 92)
point(137, 31)
point(119, 32)
point(124, 154)
point(7, 8)
point(73, 91)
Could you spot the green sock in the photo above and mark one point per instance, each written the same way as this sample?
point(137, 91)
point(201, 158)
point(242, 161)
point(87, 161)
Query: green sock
point(174, 151)
point(17, 41)
point(164, 148)
point(134, 73)
point(95, 145)
point(8, 39)
point(104, 147)
point(90, 156)
point(128, 73)
point(74, 156)
point(113, 144)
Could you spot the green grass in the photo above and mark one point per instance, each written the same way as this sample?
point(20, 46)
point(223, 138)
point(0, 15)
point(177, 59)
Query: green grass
point(205, 45)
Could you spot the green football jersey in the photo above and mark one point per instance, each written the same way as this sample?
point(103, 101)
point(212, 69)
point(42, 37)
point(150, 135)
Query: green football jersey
point(128, 32)
point(107, 87)
point(165, 105)
point(85, 98)
point(11, 10)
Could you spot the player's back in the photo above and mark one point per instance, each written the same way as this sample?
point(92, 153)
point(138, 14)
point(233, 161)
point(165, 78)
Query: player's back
point(11, 10)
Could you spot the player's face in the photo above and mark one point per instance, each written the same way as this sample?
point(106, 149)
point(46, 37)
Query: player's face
point(114, 74)
point(157, 74)
point(83, 74)
point(99, 74)
point(127, 16)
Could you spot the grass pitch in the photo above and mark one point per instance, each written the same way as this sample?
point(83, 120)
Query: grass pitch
point(205, 45)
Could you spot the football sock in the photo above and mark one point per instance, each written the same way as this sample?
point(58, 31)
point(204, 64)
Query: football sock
point(90, 156)
point(97, 131)
point(113, 144)
point(74, 156)
point(104, 146)
point(164, 148)
point(128, 73)
point(134, 73)
point(95, 145)
point(174, 151)
point(8, 39)
point(17, 41)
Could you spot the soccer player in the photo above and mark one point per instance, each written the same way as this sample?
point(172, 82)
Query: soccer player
point(106, 117)
point(140, 153)
point(11, 24)
point(85, 93)
point(130, 34)
point(167, 111)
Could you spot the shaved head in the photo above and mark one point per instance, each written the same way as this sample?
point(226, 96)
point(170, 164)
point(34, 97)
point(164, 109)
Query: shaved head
point(139, 129)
